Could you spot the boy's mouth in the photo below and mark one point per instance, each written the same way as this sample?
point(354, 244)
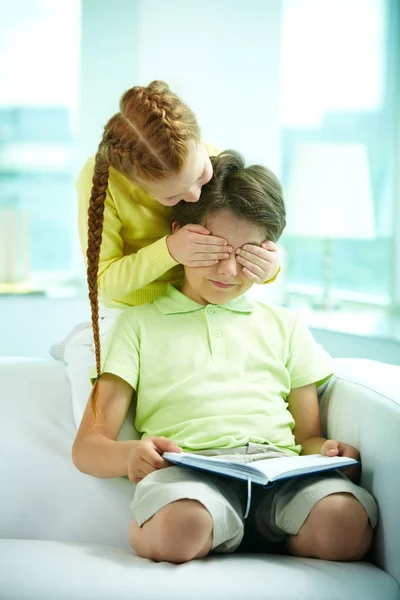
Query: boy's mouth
point(222, 285)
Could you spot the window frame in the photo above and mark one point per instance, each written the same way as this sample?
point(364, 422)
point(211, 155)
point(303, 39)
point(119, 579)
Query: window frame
point(335, 129)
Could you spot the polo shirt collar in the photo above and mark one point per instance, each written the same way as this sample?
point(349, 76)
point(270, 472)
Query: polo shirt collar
point(174, 302)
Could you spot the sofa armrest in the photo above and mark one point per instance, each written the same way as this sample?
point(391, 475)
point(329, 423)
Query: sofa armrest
point(361, 406)
point(43, 496)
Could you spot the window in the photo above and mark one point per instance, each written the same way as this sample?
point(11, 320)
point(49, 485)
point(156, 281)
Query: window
point(338, 109)
point(38, 100)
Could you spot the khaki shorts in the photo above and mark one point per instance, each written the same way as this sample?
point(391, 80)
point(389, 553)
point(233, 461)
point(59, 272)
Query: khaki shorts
point(275, 512)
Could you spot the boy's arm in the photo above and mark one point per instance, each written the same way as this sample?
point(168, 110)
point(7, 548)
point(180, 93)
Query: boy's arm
point(303, 405)
point(95, 450)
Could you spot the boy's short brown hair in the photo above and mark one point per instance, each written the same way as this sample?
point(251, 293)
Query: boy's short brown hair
point(253, 193)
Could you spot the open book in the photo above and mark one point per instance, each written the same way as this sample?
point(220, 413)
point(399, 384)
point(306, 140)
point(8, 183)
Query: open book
point(262, 472)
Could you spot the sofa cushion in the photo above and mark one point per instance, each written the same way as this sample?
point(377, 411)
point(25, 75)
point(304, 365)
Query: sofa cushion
point(62, 571)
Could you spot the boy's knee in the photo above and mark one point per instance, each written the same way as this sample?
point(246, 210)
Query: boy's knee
point(178, 533)
point(336, 529)
point(342, 531)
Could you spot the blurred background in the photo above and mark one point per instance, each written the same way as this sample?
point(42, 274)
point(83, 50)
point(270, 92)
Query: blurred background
point(309, 88)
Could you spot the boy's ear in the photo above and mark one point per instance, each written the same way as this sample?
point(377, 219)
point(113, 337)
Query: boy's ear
point(175, 226)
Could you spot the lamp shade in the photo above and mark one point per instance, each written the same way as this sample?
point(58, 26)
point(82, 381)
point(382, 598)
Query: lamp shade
point(329, 192)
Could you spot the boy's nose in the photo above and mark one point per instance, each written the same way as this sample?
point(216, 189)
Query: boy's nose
point(228, 266)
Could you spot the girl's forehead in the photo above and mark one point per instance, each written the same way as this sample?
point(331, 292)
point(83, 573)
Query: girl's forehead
point(182, 182)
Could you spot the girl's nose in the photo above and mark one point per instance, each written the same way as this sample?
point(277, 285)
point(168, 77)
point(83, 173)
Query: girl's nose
point(193, 195)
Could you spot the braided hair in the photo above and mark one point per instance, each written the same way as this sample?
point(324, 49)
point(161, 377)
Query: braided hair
point(147, 139)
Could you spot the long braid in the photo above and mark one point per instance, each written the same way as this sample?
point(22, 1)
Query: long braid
point(95, 231)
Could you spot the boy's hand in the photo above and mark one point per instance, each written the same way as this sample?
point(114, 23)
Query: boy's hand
point(193, 246)
point(260, 263)
point(146, 457)
point(335, 448)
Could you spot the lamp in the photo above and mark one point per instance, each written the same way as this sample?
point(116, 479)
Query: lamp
point(329, 197)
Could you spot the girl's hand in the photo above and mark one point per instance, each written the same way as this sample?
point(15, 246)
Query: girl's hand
point(335, 448)
point(193, 246)
point(260, 263)
point(146, 457)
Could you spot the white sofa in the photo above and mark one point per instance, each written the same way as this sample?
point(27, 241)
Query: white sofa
point(64, 534)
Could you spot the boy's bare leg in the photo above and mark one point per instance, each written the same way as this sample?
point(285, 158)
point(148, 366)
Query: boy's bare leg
point(177, 533)
point(336, 529)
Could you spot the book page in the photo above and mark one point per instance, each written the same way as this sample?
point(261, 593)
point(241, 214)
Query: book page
point(279, 468)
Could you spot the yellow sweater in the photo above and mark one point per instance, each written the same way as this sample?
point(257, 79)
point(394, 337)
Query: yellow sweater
point(135, 265)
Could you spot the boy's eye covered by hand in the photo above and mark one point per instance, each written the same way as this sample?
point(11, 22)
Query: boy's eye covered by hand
point(223, 281)
point(195, 246)
point(260, 263)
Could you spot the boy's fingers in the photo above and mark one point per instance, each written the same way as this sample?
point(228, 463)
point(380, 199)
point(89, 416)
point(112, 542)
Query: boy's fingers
point(159, 463)
point(350, 451)
point(137, 475)
point(146, 467)
point(329, 448)
point(163, 444)
point(154, 460)
point(165, 464)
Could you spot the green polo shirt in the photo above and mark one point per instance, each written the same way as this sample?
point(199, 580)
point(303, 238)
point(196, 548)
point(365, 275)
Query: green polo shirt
point(214, 376)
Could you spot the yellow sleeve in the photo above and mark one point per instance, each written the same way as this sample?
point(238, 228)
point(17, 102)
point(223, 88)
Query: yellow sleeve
point(119, 275)
point(274, 277)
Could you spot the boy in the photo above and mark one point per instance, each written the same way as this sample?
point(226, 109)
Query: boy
point(217, 373)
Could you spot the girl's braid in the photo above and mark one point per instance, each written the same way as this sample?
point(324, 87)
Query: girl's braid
point(95, 230)
point(166, 109)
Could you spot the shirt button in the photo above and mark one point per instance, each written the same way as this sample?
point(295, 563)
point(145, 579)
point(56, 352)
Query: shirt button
point(217, 333)
point(210, 311)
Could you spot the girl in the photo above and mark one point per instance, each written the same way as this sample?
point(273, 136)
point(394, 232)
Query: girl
point(150, 158)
